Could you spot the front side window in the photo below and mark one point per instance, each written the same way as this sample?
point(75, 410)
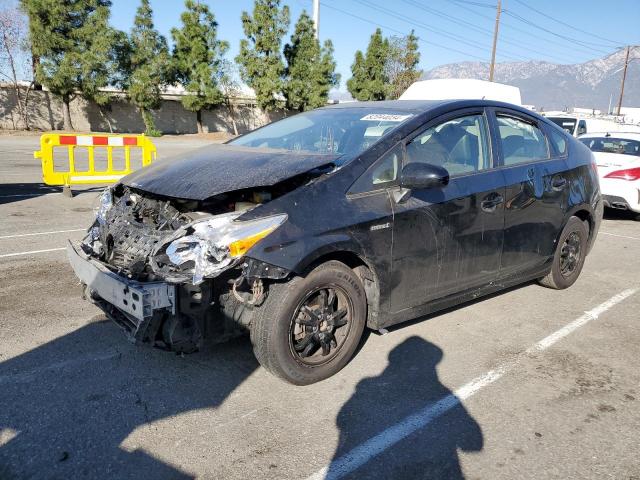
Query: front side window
point(459, 145)
point(582, 127)
point(334, 131)
point(522, 141)
point(621, 146)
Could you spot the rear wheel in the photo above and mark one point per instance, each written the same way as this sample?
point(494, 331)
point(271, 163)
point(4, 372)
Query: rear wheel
point(309, 328)
point(570, 255)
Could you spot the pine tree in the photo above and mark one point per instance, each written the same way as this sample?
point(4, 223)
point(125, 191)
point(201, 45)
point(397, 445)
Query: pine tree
point(357, 84)
point(148, 66)
point(401, 67)
point(197, 56)
point(310, 72)
point(230, 88)
point(260, 59)
point(369, 80)
point(73, 45)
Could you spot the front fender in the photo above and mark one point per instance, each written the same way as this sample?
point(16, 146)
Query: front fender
point(296, 256)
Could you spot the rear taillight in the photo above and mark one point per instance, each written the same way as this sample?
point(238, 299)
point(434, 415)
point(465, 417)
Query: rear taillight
point(627, 174)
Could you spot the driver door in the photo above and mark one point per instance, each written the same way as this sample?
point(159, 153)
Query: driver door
point(448, 239)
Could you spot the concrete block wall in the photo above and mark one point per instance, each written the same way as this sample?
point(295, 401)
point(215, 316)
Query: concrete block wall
point(45, 113)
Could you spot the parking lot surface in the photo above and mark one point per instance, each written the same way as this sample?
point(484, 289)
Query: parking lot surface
point(523, 384)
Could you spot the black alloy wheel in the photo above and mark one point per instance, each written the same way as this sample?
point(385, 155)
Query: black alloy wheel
point(320, 325)
point(570, 254)
point(309, 327)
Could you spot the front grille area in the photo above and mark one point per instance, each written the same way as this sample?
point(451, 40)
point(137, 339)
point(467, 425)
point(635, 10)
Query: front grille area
point(133, 227)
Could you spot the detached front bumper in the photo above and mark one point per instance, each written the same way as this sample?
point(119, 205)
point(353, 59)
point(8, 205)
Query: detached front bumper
point(133, 305)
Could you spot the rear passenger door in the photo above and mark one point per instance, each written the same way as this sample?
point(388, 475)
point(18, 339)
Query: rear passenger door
point(536, 190)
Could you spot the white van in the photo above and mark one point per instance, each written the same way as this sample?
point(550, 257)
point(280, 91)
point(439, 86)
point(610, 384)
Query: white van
point(462, 88)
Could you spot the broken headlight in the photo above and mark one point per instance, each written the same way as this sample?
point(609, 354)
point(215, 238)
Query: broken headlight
point(207, 248)
point(105, 202)
point(92, 240)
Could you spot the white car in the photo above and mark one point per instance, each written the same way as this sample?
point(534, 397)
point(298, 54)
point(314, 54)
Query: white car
point(618, 159)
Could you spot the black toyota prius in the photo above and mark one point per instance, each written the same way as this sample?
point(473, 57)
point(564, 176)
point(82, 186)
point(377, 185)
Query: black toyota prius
point(359, 215)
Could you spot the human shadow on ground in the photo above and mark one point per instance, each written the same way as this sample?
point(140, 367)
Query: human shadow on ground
point(67, 406)
point(378, 412)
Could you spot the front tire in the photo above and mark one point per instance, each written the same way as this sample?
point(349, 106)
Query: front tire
point(569, 257)
point(309, 328)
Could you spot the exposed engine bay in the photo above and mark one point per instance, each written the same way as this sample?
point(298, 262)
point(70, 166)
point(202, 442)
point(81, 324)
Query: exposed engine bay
point(195, 246)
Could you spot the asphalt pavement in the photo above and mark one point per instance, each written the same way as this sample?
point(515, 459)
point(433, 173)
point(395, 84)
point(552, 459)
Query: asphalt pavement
point(529, 383)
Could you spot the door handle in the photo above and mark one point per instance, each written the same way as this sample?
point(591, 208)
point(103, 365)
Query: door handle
point(558, 183)
point(491, 202)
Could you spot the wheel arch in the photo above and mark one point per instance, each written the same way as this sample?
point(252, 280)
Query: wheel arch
point(586, 214)
point(359, 264)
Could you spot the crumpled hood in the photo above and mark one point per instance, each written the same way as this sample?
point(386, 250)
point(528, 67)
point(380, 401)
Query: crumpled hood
point(217, 169)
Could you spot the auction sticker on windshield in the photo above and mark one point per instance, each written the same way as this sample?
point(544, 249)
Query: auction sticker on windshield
point(384, 117)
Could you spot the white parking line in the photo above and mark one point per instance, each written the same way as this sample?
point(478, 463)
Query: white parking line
point(361, 454)
point(619, 236)
point(32, 252)
point(42, 233)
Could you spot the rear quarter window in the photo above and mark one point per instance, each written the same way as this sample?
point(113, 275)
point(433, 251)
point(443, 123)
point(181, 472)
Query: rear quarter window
point(558, 142)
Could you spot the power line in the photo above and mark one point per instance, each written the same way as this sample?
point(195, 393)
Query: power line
point(555, 34)
point(571, 47)
point(483, 31)
point(477, 4)
point(377, 24)
point(591, 34)
point(423, 26)
point(465, 40)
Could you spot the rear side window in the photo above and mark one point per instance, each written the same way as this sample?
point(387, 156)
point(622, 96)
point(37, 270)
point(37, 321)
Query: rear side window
point(522, 142)
point(459, 145)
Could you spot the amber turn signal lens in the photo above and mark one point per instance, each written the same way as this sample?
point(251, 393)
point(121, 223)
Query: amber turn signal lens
point(240, 247)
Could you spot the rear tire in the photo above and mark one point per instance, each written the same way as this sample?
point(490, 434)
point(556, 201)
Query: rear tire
point(309, 328)
point(569, 257)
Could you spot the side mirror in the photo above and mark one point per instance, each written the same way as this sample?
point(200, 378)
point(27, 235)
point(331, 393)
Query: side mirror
point(423, 175)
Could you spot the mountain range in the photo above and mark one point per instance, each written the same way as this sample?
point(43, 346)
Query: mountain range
point(552, 86)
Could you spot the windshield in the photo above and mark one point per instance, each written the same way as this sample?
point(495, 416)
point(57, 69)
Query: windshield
point(613, 145)
point(568, 124)
point(335, 131)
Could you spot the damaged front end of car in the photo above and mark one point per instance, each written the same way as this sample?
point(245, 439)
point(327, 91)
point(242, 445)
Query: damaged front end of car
point(173, 272)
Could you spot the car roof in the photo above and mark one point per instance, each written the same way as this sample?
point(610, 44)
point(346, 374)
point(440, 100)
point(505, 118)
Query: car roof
point(623, 135)
point(421, 106)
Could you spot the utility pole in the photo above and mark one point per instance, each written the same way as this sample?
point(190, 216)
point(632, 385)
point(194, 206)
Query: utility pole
point(316, 16)
point(624, 77)
point(495, 40)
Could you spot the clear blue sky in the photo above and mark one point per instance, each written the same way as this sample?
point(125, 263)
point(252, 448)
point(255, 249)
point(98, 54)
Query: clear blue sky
point(450, 30)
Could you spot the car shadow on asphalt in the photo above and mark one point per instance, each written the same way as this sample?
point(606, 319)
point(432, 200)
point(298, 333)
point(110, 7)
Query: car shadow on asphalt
point(68, 405)
point(614, 214)
point(16, 192)
point(378, 410)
